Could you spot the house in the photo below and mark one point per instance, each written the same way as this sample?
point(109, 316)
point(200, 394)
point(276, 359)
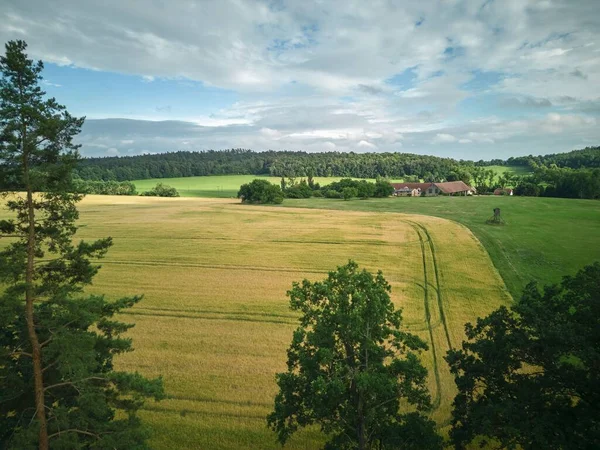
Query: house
point(432, 189)
point(503, 191)
point(454, 188)
point(409, 189)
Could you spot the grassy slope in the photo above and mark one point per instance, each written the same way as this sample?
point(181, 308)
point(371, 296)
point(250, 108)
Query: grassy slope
point(543, 239)
point(215, 320)
point(517, 170)
point(223, 186)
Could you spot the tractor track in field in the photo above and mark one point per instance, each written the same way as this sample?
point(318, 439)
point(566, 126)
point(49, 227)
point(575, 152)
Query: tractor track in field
point(437, 282)
point(436, 373)
point(230, 318)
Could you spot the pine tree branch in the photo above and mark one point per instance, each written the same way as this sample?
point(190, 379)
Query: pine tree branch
point(20, 354)
point(72, 383)
point(74, 430)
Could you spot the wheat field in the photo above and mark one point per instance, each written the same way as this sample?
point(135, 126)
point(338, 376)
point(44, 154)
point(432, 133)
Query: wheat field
point(215, 322)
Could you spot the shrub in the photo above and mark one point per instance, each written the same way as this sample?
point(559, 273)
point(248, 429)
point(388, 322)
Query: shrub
point(161, 190)
point(260, 191)
point(349, 192)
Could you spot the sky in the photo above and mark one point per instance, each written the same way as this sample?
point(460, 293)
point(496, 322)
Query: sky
point(468, 79)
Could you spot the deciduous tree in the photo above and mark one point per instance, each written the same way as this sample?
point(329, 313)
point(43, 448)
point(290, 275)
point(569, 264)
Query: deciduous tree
point(529, 377)
point(350, 365)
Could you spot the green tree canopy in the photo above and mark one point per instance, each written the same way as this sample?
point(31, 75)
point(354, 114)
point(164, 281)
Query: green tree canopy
point(350, 365)
point(529, 377)
point(58, 385)
point(260, 191)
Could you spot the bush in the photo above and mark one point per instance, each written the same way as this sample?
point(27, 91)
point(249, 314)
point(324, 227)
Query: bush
point(332, 193)
point(104, 187)
point(317, 194)
point(349, 192)
point(383, 188)
point(300, 190)
point(161, 190)
point(260, 191)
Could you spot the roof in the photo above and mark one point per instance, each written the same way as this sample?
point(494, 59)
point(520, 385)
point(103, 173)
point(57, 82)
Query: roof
point(450, 187)
point(411, 186)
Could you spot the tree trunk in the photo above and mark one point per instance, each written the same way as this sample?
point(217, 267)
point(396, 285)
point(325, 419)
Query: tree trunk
point(362, 439)
point(36, 349)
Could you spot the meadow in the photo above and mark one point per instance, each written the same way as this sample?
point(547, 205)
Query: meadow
point(215, 322)
point(543, 239)
point(218, 186)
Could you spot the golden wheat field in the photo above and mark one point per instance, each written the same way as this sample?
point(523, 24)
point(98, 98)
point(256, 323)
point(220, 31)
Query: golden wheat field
point(215, 323)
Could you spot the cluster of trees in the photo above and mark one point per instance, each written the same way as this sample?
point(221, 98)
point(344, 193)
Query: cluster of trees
point(527, 377)
point(161, 190)
point(58, 384)
point(259, 191)
point(104, 187)
point(555, 181)
point(588, 157)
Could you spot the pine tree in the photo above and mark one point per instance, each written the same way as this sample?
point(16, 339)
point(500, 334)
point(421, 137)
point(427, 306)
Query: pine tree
point(58, 385)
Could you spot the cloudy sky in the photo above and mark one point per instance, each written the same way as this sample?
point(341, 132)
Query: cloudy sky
point(473, 79)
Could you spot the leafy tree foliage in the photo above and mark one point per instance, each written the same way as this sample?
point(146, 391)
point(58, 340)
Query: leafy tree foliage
point(298, 190)
point(161, 190)
point(349, 366)
point(104, 187)
point(58, 386)
point(349, 192)
point(383, 188)
point(529, 377)
point(279, 164)
point(260, 191)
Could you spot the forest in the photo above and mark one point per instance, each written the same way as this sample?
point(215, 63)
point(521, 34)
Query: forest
point(575, 174)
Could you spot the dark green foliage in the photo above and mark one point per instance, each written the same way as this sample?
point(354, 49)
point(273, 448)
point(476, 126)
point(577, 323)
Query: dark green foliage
point(104, 187)
point(58, 387)
point(279, 164)
point(527, 189)
point(260, 191)
point(84, 394)
point(161, 190)
point(298, 190)
point(332, 193)
point(383, 188)
point(529, 377)
point(350, 365)
point(349, 192)
point(589, 157)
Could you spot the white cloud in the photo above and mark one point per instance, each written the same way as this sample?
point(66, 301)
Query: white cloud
point(366, 144)
point(321, 75)
point(442, 138)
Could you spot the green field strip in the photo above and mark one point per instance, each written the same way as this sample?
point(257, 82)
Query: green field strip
point(247, 403)
point(437, 282)
point(211, 266)
point(232, 318)
point(183, 411)
point(438, 384)
point(212, 311)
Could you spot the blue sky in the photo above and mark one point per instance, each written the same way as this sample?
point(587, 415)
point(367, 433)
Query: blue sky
point(472, 79)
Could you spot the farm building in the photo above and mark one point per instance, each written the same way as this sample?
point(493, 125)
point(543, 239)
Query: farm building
point(432, 189)
point(503, 191)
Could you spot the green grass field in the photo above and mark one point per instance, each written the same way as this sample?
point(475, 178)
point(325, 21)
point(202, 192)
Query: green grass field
point(516, 170)
point(215, 320)
point(222, 186)
point(543, 239)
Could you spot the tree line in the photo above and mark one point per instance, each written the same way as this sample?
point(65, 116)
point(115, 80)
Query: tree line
point(273, 163)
